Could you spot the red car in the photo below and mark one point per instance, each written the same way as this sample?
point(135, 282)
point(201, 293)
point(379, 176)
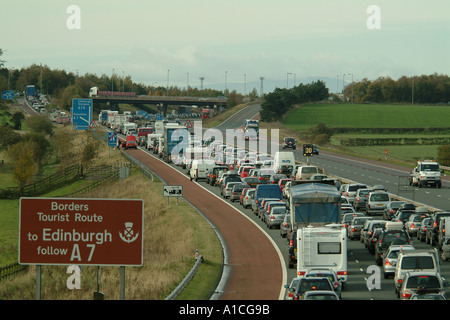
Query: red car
point(282, 183)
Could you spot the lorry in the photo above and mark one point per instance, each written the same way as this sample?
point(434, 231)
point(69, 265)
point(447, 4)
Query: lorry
point(427, 172)
point(251, 128)
point(151, 138)
point(30, 90)
point(175, 141)
point(284, 162)
point(94, 92)
point(314, 204)
point(206, 113)
point(129, 128)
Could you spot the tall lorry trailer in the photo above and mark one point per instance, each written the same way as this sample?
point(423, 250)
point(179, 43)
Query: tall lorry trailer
point(176, 141)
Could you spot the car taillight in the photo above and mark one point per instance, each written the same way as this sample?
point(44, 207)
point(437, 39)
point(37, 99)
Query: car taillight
point(301, 273)
point(342, 273)
point(399, 281)
point(435, 224)
point(353, 229)
point(387, 263)
point(406, 294)
point(291, 294)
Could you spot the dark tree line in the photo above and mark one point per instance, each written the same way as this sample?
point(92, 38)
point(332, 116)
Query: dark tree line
point(277, 103)
point(423, 89)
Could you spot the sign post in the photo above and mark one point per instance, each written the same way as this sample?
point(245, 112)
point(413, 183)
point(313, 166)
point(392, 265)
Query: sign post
point(172, 191)
point(72, 231)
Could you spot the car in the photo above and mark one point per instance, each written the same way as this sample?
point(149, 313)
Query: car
point(427, 295)
point(292, 248)
point(391, 209)
point(349, 190)
point(376, 202)
point(403, 215)
point(290, 289)
point(285, 225)
point(355, 226)
point(247, 199)
point(421, 232)
point(288, 142)
point(318, 177)
point(445, 249)
point(311, 284)
point(282, 183)
point(275, 178)
point(320, 295)
point(388, 238)
point(390, 258)
point(251, 181)
point(360, 199)
point(415, 260)
point(368, 228)
point(348, 217)
point(373, 240)
point(262, 205)
point(327, 273)
point(226, 191)
point(432, 232)
point(412, 225)
point(420, 280)
point(275, 217)
point(236, 191)
point(264, 174)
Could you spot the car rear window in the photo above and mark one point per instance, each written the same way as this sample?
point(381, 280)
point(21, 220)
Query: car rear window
point(418, 262)
point(424, 281)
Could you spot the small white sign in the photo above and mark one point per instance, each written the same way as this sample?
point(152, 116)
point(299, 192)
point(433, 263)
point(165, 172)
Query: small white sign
point(173, 191)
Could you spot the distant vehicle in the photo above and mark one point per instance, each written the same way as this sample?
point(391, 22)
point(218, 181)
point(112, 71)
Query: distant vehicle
point(289, 142)
point(94, 92)
point(131, 142)
point(206, 113)
point(251, 125)
point(427, 172)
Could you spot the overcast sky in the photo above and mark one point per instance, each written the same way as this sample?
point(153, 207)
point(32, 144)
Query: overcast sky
point(223, 40)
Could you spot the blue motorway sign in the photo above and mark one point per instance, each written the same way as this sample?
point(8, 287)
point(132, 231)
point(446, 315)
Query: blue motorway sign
point(158, 117)
point(8, 95)
point(112, 139)
point(81, 113)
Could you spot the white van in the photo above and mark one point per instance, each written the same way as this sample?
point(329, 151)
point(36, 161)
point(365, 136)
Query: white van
point(322, 247)
point(305, 172)
point(413, 260)
point(151, 137)
point(200, 168)
point(284, 162)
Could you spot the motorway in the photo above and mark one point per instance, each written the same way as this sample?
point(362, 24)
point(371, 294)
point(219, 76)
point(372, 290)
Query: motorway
point(256, 263)
point(348, 168)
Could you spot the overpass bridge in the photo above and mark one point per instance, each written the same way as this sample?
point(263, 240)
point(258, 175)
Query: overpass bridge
point(162, 101)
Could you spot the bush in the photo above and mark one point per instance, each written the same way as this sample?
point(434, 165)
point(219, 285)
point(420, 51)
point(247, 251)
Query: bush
point(444, 155)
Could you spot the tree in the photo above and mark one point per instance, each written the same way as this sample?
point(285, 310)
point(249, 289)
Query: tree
point(22, 157)
point(444, 155)
point(8, 137)
point(17, 120)
point(40, 125)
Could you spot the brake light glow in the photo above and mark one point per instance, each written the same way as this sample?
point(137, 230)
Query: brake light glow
point(301, 273)
point(342, 273)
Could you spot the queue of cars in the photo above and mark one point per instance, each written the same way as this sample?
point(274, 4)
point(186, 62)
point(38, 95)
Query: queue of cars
point(389, 237)
point(384, 225)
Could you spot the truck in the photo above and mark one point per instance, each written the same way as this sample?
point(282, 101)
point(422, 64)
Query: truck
point(129, 127)
point(30, 90)
point(103, 116)
point(175, 140)
point(314, 204)
point(427, 172)
point(251, 128)
point(324, 248)
point(94, 92)
point(284, 162)
point(142, 135)
point(151, 138)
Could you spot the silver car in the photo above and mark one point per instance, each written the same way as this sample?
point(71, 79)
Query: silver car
point(247, 199)
point(414, 222)
point(423, 280)
point(354, 228)
point(376, 202)
point(226, 191)
point(275, 216)
point(390, 258)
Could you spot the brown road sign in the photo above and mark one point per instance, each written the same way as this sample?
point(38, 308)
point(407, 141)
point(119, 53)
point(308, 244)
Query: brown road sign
point(66, 231)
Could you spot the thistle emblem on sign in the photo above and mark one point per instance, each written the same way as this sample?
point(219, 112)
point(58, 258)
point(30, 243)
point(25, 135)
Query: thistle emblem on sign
point(128, 234)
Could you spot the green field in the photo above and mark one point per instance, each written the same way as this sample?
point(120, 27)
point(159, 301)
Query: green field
point(368, 116)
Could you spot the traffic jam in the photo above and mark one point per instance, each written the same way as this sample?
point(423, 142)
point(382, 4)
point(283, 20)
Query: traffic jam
point(317, 214)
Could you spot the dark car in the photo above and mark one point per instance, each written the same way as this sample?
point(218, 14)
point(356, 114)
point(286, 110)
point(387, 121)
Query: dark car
point(388, 237)
point(421, 233)
point(292, 248)
point(311, 284)
point(373, 239)
point(289, 142)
